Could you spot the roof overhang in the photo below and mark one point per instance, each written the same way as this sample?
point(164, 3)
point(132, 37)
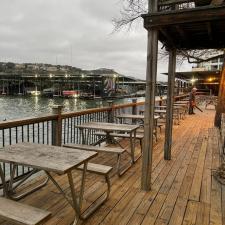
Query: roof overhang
point(194, 28)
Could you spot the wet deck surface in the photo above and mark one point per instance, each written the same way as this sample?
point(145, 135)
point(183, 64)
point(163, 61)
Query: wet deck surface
point(183, 189)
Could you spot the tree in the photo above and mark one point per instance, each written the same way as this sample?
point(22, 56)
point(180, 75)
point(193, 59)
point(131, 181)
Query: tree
point(131, 13)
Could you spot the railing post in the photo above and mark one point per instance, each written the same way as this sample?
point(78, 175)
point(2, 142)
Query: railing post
point(57, 125)
point(111, 112)
point(160, 101)
point(134, 108)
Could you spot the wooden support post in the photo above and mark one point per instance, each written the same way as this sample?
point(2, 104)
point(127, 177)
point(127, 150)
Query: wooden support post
point(57, 126)
point(134, 109)
point(220, 108)
point(169, 106)
point(151, 73)
point(111, 112)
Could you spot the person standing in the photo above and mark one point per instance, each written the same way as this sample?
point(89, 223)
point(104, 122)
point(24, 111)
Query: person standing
point(192, 102)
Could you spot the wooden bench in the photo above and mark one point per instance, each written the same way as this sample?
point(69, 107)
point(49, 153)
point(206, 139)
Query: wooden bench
point(122, 135)
point(110, 150)
point(18, 213)
point(125, 135)
point(101, 170)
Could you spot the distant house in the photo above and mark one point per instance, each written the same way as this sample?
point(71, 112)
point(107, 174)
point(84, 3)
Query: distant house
point(63, 69)
point(32, 67)
point(20, 66)
point(52, 69)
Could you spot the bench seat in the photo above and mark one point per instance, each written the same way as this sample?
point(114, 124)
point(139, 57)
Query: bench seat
point(101, 170)
point(22, 214)
point(103, 149)
point(138, 136)
point(96, 148)
point(96, 168)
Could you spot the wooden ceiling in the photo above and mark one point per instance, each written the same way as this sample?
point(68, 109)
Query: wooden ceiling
point(194, 28)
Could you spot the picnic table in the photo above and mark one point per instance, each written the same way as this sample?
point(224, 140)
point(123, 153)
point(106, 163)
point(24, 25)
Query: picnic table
point(178, 108)
point(109, 128)
point(133, 116)
point(50, 159)
point(161, 110)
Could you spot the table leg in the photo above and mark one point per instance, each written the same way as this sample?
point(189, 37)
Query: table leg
point(2, 175)
point(83, 136)
point(132, 145)
point(76, 201)
point(108, 138)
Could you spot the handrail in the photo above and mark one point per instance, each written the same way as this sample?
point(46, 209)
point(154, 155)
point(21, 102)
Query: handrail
point(26, 121)
point(85, 112)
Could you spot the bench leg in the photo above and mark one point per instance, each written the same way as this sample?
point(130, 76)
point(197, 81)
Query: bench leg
point(99, 201)
point(11, 189)
point(119, 170)
point(5, 190)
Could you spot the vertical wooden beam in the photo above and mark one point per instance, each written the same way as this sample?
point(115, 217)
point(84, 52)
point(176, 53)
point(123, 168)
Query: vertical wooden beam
point(57, 126)
point(220, 108)
point(151, 74)
point(169, 107)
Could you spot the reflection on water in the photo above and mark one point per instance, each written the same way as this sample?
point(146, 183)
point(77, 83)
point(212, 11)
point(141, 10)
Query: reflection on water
point(13, 107)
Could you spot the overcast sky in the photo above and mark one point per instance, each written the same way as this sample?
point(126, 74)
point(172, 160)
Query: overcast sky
point(72, 32)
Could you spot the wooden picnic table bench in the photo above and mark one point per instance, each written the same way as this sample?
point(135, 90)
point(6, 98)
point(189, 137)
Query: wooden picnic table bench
point(52, 159)
point(103, 149)
point(108, 128)
point(19, 213)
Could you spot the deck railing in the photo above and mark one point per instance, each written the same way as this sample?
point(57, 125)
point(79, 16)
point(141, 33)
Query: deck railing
point(61, 128)
point(175, 5)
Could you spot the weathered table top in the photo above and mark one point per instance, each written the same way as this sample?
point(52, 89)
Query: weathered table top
point(45, 157)
point(108, 127)
point(133, 116)
point(163, 111)
point(164, 106)
point(181, 102)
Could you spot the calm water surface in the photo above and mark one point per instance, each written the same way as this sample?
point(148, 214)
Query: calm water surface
point(13, 107)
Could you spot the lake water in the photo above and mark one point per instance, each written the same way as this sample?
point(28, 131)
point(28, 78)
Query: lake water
point(16, 107)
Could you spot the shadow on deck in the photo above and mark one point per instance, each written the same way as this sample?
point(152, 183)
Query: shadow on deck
point(183, 189)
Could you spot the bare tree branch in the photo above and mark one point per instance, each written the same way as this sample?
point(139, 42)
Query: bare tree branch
point(131, 12)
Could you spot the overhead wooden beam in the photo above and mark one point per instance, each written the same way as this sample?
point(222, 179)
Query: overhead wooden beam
point(220, 108)
point(167, 36)
point(171, 2)
point(209, 28)
point(181, 33)
point(175, 17)
point(169, 106)
point(151, 73)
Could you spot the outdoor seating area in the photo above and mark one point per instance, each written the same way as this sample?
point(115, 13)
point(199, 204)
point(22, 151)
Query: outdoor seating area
point(95, 184)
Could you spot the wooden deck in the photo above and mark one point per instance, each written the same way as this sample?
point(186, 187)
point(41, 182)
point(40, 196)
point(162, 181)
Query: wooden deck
point(183, 189)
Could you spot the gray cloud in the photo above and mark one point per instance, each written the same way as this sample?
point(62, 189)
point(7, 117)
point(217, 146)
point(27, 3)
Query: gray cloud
point(49, 31)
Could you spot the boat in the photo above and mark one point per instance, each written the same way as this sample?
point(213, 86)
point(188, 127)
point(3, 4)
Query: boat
point(71, 93)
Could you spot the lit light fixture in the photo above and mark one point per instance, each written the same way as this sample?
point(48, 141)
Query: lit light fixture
point(66, 75)
point(36, 75)
point(193, 80)
point(50, 75)
point(35, 93)
point(82, 75)
point(210, 79)
point(115, 75)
